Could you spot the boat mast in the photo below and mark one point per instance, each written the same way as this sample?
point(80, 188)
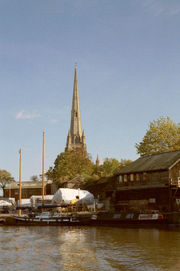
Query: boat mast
point(43, 153)
point(20, 182)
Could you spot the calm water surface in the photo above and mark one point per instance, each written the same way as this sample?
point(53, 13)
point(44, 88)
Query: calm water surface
point(88, 248)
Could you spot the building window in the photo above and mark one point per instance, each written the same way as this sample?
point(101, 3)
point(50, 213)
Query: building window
point(152, 200)
point(137, 177)
point(120, 179)
point(131, 177)
point(125, 178)
point(145, 176)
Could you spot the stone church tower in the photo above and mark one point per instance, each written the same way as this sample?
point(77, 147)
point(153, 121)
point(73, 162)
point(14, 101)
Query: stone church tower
point(75, 138)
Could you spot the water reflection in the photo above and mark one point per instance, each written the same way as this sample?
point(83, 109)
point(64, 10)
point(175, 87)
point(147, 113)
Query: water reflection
point(77, 249)
point(89, 248)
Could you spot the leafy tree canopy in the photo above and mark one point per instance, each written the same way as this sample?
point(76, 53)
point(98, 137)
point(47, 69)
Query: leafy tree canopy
point(110, 166)
point(124, 162)
point(34, 178)
point(163, 135)
point(5, 178)
point(70, 164)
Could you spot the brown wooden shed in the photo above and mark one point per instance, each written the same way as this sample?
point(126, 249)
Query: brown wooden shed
point(158, 169)
point(29, 188)
point(150, 182)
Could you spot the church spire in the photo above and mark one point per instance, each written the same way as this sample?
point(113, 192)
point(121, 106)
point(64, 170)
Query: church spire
point(75, 128)
point(75, 138)
point(97, 161)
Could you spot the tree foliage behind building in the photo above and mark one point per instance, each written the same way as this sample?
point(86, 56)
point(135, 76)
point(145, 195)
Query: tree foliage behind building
point(5, 178)
point(163, 135)
point(34, 178)
point(110, 166)
point(70, 164)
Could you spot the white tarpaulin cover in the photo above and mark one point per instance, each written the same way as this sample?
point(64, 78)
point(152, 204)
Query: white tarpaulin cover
point(25, 202)
point(34, 199)
point(46, 197)
point(5, 203)
point(65, 195)
point(11, 200)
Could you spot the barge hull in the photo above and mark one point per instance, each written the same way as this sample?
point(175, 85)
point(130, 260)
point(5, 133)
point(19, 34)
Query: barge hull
point(100, 219)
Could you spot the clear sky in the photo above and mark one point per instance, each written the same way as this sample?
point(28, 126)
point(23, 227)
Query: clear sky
point(128, 55)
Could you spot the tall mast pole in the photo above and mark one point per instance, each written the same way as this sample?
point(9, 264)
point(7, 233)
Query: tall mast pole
point(43, 153)
point(20, 181)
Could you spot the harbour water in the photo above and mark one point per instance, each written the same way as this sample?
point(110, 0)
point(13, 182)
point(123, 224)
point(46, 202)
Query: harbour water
point(89, 248)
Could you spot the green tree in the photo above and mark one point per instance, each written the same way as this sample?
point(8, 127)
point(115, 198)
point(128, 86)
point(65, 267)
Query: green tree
point(5, 178)
point(124, 162)
point(109, 167)
point(34, 178)
point(163, 135)
point(70, 164)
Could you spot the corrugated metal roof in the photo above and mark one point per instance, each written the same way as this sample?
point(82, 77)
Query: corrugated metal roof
point(161, 161)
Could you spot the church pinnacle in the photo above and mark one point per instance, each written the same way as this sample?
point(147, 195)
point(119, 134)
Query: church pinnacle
point(75, 138)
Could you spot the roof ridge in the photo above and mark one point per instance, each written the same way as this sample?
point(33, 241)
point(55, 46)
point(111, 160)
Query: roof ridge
point(152, 154)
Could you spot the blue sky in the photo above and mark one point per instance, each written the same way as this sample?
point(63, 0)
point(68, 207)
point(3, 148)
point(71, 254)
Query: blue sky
point(128, 55)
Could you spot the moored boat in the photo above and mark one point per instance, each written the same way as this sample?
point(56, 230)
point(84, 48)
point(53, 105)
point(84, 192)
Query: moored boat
point(136, 218)
point(49, 219)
